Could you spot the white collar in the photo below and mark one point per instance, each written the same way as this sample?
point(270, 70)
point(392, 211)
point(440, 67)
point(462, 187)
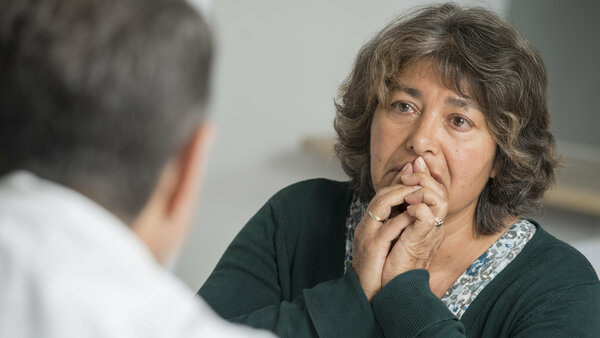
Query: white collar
point(24, 194)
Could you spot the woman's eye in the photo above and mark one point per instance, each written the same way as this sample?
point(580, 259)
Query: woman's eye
point(461, 122)
point(402, 107)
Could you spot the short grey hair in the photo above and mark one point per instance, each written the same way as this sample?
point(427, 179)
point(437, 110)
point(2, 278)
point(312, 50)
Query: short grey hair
point(99, 94)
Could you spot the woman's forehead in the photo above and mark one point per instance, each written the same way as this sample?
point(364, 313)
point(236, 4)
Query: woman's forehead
point(457, 82)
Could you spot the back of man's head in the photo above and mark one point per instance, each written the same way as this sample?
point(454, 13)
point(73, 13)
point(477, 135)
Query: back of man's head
point(99, 94)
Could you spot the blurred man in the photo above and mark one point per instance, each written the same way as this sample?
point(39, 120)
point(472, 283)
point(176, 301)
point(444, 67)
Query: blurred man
point(102, 146)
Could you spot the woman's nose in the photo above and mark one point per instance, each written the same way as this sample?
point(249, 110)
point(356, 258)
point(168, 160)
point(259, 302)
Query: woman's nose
point(423, 138)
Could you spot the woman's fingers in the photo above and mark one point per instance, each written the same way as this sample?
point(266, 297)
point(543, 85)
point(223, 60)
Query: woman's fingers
point(393, 227)
point(406, 170)
point(381, 205)
point(371, 250)
point(437, 203)
point(420, 240)
point(433, 194)
point(424, 180)
point(422, 176)
point(373, 236)
point(420, 166)
point(416, 246)
point(424, 220)
point(375, 260)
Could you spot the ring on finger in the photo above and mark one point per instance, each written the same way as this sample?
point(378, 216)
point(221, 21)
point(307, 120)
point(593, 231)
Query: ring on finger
point(377, 219)
point(438, 222)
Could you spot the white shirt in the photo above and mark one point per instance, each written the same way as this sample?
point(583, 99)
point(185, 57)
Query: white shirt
point(69, 268)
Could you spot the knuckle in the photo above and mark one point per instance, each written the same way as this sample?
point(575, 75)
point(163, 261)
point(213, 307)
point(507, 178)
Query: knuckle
point(384, 191)
point(444, 194)
point(444, 206)
point(431, 221)
point(412, 192)
point(378, 201)
point(421, 208)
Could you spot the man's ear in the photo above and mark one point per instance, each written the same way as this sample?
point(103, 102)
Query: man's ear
point(189, 166)
point(163, 222)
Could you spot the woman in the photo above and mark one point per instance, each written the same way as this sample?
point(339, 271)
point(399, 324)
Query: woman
point(443, 130)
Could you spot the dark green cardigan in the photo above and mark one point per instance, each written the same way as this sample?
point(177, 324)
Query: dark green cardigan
point(284, 272)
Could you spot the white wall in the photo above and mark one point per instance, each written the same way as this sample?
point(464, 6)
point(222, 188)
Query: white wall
point(280, 63)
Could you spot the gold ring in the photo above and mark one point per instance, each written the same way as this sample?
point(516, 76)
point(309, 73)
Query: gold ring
point(438, 222)
point(372, 215)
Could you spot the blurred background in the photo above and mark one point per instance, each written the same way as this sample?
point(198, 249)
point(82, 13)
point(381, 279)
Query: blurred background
point(279, 66)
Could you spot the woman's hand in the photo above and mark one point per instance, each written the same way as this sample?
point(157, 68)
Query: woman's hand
point(373, 239)
point(420, 241)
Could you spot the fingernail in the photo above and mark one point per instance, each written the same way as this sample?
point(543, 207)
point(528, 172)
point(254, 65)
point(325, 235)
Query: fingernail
point(405, 168)
point(417, 187)
point(420, 162)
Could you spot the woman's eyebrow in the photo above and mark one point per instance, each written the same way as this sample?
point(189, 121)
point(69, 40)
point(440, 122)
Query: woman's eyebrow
point(456, 101)
point(459, 102)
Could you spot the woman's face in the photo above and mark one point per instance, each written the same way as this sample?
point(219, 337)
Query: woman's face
point(424, 118)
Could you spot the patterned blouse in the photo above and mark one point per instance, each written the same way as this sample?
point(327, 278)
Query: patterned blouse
point(464, 290)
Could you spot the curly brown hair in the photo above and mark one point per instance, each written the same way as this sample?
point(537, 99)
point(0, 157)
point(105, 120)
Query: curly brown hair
point(478, 54)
